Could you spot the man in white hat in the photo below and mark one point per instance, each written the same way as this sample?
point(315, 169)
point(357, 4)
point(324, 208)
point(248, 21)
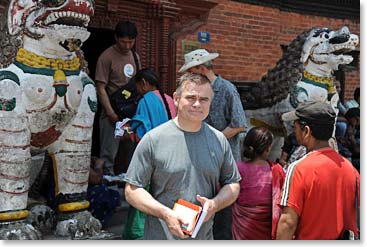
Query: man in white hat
point(226, 115)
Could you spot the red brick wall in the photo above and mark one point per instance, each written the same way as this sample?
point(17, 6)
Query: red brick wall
point(248, 39)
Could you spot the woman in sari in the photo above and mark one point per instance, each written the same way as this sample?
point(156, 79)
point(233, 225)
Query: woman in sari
point(255, 213)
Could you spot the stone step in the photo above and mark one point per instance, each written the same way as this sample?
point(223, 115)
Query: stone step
point(114, 228)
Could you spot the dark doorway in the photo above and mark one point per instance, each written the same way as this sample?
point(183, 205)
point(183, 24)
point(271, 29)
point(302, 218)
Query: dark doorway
point(100, 39)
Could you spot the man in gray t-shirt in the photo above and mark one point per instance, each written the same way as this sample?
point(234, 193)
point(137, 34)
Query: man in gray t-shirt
point(183, 158)
point(226, 115)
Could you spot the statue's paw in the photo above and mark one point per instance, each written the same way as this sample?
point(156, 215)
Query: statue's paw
point(78, 225)
point(19, 230)
point(42, 217)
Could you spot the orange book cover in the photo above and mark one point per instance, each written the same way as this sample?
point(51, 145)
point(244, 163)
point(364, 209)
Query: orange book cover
point(189, 212)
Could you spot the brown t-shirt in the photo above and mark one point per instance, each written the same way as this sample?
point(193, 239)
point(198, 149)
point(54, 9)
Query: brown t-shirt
point(115, 68)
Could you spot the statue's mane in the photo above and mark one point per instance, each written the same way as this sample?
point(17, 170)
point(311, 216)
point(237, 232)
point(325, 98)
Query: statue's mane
point(276, 85)
point(9, 44)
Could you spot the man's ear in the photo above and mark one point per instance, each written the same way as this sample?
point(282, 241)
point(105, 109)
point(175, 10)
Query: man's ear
point(176, 99)
point(307, 132)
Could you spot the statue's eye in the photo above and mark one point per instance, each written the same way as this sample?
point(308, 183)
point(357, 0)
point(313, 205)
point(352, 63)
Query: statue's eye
point(324, 35)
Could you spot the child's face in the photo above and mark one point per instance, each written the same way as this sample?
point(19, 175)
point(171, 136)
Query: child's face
point(140, 87)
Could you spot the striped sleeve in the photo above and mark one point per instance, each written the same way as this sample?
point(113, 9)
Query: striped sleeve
point(289, 182)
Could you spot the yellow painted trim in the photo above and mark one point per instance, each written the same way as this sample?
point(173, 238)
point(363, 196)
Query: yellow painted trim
point(259, 123)
point(33, 60)
point(15, 215)
point(73, 206)
point(324, 80)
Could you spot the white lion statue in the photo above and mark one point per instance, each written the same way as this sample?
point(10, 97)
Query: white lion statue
point(47, 102)
point(304, 73)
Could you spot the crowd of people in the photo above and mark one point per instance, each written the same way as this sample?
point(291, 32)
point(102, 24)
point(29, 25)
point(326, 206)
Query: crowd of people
point(188, 147)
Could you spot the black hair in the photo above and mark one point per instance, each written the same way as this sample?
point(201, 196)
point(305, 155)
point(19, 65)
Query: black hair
point(356, 94)
point(151, 77)
point(352, 113)
point(257, 140)
point(319, 132)
point(126, 29)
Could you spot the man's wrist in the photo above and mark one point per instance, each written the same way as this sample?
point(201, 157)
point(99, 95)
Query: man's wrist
point(165, 213)
point(215, 205)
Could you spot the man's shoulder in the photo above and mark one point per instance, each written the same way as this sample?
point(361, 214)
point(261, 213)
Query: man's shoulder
point(225, 84)
point(351, 104)
point(165, 127)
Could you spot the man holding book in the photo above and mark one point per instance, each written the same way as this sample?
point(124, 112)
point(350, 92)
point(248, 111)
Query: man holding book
point(183, 158)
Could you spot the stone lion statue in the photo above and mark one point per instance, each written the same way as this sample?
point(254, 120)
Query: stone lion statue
point(47, 102)
point(304, 73)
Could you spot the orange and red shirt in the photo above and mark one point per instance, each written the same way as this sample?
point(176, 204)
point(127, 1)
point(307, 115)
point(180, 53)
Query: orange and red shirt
point(320, 188)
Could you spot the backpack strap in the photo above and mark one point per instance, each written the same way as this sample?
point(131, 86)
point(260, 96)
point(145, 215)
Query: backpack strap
point(136, 60)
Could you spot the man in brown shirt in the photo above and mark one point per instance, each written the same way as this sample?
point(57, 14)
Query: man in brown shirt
point(114, 69)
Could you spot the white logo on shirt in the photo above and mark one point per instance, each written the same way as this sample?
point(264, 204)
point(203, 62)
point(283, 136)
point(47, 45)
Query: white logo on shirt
point(128, 70)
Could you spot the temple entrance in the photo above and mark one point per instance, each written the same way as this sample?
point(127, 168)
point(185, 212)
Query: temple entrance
point(100, 39)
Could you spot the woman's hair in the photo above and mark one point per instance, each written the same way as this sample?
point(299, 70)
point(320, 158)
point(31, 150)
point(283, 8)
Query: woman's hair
point(257, 140)
point(151, 77)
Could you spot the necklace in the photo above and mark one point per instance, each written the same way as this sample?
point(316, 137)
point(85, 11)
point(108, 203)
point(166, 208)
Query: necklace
point(35, 61)
point(32, 63)
point(324, 82)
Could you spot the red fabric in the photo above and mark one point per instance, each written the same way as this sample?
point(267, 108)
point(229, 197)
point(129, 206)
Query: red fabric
point(254, 221)
point(255, 185)
point(171, 103)
point(278, 177)
point(251, 223)
point(321, 190)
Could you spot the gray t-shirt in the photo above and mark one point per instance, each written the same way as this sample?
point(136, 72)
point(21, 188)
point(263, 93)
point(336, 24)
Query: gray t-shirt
point(179, 164)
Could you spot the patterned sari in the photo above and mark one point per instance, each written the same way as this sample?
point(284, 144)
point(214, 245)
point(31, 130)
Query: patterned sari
point(255, 215)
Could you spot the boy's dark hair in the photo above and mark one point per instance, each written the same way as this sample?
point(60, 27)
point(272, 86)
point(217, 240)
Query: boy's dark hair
point(256, 141)
point(352, 113)
point(126, 29)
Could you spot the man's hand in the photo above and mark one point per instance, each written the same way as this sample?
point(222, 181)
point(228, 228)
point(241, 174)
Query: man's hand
point(174, 222)
point(209, 206)
point(113, 118)
point(105, 102)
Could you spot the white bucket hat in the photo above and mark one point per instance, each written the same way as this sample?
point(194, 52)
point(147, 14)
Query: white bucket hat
point(197, 57)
